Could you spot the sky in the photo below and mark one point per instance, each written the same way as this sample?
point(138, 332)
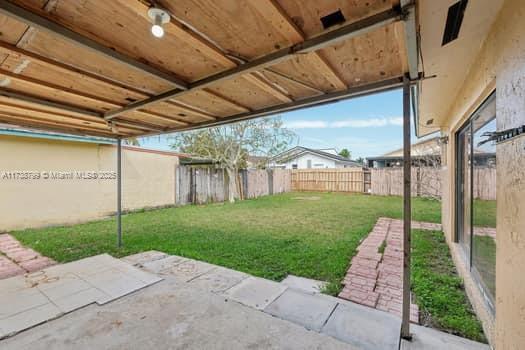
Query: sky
point(367, 126)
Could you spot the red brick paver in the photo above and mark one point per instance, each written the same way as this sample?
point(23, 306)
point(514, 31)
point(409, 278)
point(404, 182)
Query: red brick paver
point(375, 279)
point(15, 259)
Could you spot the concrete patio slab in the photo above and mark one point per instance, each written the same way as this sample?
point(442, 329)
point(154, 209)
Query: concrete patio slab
point(173, 315)
point(188, 270)
point(364, 327)
point(302, 308)
point(255, 292)
point(144, 257)
point(219, 279)
point(20, 301)
point(304, 284)
point(37, 297)
point(162, 265)
point(424, 338)
point(29, 318)
point(80, 299)
point(114, 284)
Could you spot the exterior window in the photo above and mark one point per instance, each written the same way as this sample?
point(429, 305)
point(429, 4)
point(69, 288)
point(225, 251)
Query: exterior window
point(476, 197)
point(294, 166)
point(309, 163)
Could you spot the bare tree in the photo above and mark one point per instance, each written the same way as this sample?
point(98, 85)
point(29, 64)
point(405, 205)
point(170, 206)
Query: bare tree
point(229, 145)
point(427, 162)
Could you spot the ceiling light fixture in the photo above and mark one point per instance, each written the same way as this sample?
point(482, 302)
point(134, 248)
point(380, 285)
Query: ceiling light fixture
point(158, 18)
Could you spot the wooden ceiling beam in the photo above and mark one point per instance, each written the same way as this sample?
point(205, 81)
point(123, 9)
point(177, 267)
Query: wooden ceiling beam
point(77, 94)
point(44, 85)
point(17, 96)
point(191, 109)
point(267, 87)
point(161, 116)
point(316, 43)
point(296, 81)
point(64, 110)
point(43, 24)
point(99, 125)
point(275, 14)
point(57, 124)
point(67, 69)
point(32, 124)
point(233, 104)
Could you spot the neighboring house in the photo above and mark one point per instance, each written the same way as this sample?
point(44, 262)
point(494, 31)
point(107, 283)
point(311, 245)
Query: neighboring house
point(426, 153)
point(307, 158)
point(256, 162)
point(55, 194)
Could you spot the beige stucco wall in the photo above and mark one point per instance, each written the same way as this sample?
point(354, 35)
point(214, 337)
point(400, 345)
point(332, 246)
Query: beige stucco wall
point(500, 65)
point(148, 180)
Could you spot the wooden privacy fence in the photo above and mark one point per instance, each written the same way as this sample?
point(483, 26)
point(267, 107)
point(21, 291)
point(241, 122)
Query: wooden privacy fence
point(331, 180)
point(207, 185)
point(426, 182)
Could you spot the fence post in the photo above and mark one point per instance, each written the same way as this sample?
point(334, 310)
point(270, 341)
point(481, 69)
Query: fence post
point(418, 179)
point(177, 185)
point(244, 179)
point(191, 193)
point(270, 181)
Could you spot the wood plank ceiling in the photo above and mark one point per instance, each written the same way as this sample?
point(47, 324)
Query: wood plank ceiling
point(50, 82)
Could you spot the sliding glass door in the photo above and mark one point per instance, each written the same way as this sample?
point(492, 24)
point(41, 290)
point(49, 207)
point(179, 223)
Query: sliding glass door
point(476, 196)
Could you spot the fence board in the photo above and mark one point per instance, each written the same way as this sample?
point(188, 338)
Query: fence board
point(257, 183)
point(329, 180)
point(282, 181)
point(426, 182)
point(207, 185)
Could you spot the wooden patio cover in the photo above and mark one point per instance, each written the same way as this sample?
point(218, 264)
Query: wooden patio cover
point(92, 67)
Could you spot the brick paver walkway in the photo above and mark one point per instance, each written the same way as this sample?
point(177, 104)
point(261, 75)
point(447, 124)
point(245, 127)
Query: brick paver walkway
point(375, 279)
point(16, 259)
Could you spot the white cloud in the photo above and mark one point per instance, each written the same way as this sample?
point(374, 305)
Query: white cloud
point(348, 123)
point(306, 124)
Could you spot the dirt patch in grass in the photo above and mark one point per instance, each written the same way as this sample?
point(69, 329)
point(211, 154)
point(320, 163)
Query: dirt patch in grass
point(311, 198)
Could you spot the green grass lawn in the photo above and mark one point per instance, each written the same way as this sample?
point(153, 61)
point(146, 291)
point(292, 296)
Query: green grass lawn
point(269, 237)
point(484, 260)
point(484, 213)
point(438, 289)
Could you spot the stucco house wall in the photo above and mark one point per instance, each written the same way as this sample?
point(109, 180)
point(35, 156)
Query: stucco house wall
point(148, 180)
point(500, 66)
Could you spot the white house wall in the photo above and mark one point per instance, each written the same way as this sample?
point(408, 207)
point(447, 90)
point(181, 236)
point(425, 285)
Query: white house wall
point(317, 162)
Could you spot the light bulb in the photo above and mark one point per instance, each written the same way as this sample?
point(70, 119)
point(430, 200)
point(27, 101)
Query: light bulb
point(157, 31)
point(158, 18)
